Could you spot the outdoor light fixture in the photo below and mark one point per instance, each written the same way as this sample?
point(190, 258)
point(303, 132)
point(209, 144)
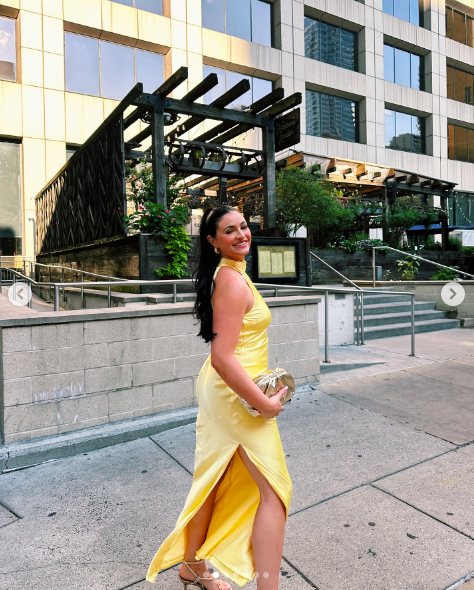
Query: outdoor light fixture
point(170, 119)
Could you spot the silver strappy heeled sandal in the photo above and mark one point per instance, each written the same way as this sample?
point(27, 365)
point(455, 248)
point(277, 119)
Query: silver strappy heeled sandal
point(196, 581)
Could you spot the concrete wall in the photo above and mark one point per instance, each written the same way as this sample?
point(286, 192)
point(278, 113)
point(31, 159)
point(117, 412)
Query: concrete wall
point(72, 370)
point(431, 291)
point(341, 319)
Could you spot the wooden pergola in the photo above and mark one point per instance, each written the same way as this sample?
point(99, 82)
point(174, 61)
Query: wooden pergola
point(86, 202)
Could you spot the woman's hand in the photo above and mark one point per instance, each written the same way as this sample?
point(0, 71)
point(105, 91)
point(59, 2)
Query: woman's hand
point(274, 405)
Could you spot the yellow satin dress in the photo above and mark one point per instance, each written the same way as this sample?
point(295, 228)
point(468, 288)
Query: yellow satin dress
point(222, 425)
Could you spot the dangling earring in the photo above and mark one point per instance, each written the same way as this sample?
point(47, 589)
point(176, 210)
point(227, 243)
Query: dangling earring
point(216, 250)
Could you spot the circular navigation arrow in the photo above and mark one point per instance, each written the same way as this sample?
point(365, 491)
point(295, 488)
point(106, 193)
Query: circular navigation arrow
point(453, 294)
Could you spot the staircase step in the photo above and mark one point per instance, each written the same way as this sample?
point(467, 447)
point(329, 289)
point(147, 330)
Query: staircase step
point(384, 308)
point(402, 317)
point(375, 299)
point(373, 332)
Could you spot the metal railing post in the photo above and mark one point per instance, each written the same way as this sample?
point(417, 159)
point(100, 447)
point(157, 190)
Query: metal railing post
point(82, 291)
point(412, 324)
point(109, 296)
point(64, 288)
point(276, 292)
point(175, 293)
point(49, 291)
point(373, 265)
point(56, 297)
point(356, 311)
point(326, 327)
point(362, 340)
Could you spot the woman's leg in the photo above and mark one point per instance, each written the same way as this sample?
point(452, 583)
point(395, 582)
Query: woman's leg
point(268, 529)
point(197, 529)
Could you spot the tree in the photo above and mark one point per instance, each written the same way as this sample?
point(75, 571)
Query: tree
point(304, 199)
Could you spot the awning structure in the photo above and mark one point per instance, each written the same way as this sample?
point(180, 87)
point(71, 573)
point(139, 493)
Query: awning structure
point(371, 181)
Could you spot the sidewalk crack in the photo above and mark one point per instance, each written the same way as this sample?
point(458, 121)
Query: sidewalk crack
point(171, 456)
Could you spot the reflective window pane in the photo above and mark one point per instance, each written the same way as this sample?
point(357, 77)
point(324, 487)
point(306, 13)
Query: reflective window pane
point(450, 81)
point(402, 9)
point(312, 45)
point(10, 198)
point(217, 90)
point(469, 89)
point(330, 116)
point(213, 15)
point(237, 19)
point(117, 70)
point(461, 144)
point(155, 6)
point(149, 70)
point(390, 129)
point(261, 23)
point(260, 88)
point(82, 64)
point(460, 82)
point(329, 44)
point(459, 27)
point(402, 67)
point(388, 6)
point(416, 81)
point(470, 31)
point(389, 63)
point(245, 100)
point(451, 152)
point(414, 12)
point(347, 50)
point(7, 49)
point(449, 22)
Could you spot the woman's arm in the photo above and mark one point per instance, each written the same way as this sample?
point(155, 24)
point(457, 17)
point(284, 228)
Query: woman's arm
point(232, 299)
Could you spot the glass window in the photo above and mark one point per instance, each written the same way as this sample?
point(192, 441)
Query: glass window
point(155, 6)
point(460, 80)
point(459, 27)
point(10, 199)
point(451, 152)
point(117, 70)
point(469, 89)
point(416, 72)
point(460, 138)
point(469, 31)
point(404, 132)
point(245, 100)
point(403, 67)
point(471, 145)
point(330, 44)
point(246, 19)
point(149, 69)
point(330, 116)
point(402, 9)
point(82, 64)
point(217, 90)
point(258, 87)
point(106, 69)
point(238, 19)
point(389, 63)
point(213, 15)
point(7, 49)
point(449, 22)
point(408, 10)
point(261, 23)
point(450, 81)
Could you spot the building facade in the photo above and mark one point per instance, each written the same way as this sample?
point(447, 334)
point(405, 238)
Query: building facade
point(389, 82)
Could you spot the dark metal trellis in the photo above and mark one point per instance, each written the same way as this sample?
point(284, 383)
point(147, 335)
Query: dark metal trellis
point(86, 200)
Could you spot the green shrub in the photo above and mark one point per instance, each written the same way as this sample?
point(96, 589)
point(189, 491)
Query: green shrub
point(409, 268)
point(445, 274)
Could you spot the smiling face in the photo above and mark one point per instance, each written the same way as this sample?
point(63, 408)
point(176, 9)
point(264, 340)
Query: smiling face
point(233, 236)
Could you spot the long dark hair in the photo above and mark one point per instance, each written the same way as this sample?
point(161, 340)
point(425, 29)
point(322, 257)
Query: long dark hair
point(204, 273)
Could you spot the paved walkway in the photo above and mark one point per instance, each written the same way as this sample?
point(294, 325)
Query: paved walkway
point(382, 462)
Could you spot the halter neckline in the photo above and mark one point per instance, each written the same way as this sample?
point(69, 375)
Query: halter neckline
point(235, 264)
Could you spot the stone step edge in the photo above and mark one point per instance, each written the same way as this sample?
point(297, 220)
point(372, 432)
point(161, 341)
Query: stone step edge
point(441, 321)
point(29, 453)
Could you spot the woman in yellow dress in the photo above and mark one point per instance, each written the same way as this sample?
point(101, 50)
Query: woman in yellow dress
point(236, 511)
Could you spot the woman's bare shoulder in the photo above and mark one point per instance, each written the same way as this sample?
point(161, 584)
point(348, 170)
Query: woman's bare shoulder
point(230, 283)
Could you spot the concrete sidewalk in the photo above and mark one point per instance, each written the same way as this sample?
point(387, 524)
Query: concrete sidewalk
point(382, 461)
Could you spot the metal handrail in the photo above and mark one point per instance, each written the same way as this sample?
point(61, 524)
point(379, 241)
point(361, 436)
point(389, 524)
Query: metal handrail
point(374, 248)
point(359, 294)
point(336, 271)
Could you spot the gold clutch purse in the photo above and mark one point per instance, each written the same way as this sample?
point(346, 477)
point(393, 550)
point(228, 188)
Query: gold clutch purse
point(270, 382)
